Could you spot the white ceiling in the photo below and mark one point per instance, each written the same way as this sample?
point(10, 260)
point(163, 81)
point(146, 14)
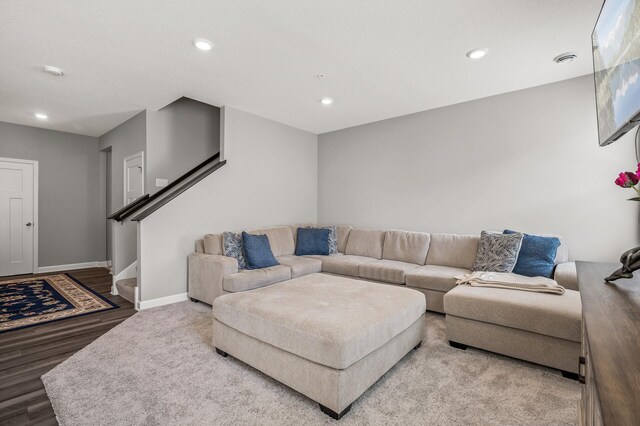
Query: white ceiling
point(381, 58)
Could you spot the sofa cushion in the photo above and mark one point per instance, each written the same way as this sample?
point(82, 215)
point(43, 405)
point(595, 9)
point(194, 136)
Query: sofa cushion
point(280, 239)
point(343, 232)
point(458, 251)
point(257, 251)
point(300, 266)
point(213, 244)
point(391, 271)
point(537, 255)
point(547, 314)
point(332, 321)
point(365, 242)
point(345, 264)
point(497, 252)
point(410, 247)
point(312, 241)
point(434, 277)
point(233, 246)
point(248, 279)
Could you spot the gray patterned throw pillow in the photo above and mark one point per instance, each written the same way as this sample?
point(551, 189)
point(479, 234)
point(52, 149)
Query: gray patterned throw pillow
point(233, 247)
point(497, 252)
point(333, 237)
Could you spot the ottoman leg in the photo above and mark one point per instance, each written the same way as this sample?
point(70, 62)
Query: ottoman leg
point(336, 416)
point(221, 353)
point(569, 375)
point(418, 345)
point(457, 345)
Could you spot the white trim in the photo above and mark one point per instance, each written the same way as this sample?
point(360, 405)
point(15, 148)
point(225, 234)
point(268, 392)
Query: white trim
point(160, 301)
point(136, 298)
point(124, 178)
point(130, 271)
point(57, 268)
point(36, 222)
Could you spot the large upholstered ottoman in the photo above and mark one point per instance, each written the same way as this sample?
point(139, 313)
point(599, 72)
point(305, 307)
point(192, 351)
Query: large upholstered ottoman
point(330, 338)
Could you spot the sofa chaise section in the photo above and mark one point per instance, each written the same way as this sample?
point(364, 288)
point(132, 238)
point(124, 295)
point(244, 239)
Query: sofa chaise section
point(538, 327)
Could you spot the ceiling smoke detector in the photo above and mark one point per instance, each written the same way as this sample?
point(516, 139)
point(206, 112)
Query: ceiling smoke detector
point(565, 58)
point(55, 71)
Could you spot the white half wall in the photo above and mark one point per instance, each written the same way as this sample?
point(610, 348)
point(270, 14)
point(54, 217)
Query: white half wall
point(527, 160)
point(270, 179)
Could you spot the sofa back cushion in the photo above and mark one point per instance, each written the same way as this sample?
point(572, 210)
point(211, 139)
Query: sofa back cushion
point(280, 239)
point(457, 251)
point(410, 247)
point(213, 244)
point(343, 236)
point(200, 246)
point(562, 255)
point(365, 242)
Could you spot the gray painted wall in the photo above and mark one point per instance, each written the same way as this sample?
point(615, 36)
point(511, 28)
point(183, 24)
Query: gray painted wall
point(527, 160)
point(70, 229)
point(180, 136)
point(127, 139)
point(270, 179)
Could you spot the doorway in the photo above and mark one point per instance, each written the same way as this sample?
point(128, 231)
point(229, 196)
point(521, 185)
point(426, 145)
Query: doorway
point(133, 177)
point(18, 216)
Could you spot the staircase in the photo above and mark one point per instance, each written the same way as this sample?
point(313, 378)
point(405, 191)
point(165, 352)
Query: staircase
point(147, 204)
point(127, 288)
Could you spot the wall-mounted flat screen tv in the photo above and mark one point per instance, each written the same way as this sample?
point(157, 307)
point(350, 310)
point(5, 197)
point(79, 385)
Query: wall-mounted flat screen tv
point(616, 63)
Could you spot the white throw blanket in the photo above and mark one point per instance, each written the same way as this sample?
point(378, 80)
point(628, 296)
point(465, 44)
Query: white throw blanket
point(511, 281)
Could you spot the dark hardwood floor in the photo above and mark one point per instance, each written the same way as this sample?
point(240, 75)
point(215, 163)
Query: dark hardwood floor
point(27, 354)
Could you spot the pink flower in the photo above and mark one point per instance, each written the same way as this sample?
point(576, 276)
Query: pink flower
point(638, 171)
point(627, 179)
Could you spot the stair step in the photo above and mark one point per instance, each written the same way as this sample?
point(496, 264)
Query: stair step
point(126, 288)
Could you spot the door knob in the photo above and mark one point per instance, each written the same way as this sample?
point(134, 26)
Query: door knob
point(28, 223)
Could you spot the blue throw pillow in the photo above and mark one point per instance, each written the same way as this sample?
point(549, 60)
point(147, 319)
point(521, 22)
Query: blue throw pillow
point(257, 251)
point(312, 241)
point(537, 255)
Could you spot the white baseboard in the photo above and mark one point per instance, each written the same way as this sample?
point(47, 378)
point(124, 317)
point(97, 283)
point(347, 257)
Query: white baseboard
point(130, 271)
point(57, 268)
point(160, 301)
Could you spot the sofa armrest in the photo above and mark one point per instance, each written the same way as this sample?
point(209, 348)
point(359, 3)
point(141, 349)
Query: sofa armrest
point(206, 272)
point(566, 275)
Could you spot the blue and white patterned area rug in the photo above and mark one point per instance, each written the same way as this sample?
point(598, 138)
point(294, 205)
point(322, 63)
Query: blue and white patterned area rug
point(25, 302)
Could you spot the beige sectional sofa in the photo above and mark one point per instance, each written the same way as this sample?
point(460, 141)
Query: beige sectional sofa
point(425, 262)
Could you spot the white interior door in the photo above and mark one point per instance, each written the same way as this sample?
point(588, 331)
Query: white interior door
point(133, 177)
point(17, 217)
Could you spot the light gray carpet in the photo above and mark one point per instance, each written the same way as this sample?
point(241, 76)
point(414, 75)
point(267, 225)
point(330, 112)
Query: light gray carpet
point(159, 367)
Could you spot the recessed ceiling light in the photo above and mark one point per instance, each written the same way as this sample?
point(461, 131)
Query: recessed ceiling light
point(477, 53)
point(565, 58)
point(55, 71)
point(326, 101)
point(40, 116)
point(202, 44)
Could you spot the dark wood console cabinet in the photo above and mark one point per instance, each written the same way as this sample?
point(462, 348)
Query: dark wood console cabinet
point(610, 362)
